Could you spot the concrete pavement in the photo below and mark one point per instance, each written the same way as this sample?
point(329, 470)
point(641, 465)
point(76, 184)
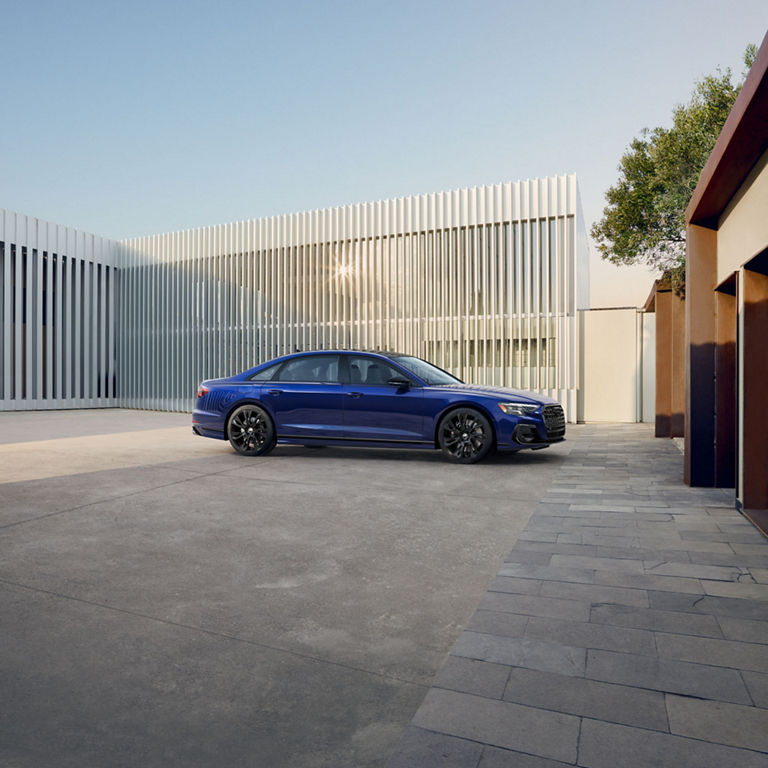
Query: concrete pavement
point(167, 602)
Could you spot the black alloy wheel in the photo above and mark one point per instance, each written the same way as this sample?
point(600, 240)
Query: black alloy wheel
point(465, 436)
point(250, 431)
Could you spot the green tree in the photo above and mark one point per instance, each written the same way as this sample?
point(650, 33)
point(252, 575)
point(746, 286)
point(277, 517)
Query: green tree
point(644, 220)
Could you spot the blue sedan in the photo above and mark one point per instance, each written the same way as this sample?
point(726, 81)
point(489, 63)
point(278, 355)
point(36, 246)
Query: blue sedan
point(371, 399)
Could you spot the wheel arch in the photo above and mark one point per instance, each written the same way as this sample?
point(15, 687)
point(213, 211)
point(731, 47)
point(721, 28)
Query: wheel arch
point(456, 407)
point(247, 401)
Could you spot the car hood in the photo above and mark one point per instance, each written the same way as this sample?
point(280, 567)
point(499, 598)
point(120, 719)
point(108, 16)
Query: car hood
point(502, 393)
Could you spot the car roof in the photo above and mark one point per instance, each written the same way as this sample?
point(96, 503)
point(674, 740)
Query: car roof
point(381, 352)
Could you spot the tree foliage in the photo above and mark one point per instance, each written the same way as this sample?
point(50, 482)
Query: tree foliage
point(644, 219)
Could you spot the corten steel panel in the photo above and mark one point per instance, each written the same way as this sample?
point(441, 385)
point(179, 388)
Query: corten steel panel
point(753, 465)
point(725, 390)
point(701, 269)
point(670, 364)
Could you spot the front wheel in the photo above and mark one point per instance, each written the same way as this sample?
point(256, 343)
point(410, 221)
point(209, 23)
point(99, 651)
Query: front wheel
point(465, 436)
point(251, 431)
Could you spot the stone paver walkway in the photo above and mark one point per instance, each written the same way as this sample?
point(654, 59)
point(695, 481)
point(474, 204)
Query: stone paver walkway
point(628, 627)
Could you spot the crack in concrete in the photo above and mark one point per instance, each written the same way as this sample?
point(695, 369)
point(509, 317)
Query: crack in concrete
point(213, 633)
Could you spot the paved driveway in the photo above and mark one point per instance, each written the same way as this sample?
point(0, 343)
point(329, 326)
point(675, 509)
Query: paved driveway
point(167, 602)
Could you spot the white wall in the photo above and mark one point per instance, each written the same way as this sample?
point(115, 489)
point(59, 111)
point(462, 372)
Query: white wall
point(617, 366)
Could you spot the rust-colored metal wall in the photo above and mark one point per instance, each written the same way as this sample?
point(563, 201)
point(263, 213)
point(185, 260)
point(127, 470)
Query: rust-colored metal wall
point(670, 360)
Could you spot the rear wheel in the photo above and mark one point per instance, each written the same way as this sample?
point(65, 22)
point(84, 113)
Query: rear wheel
point(251, 431)
point(465, 436)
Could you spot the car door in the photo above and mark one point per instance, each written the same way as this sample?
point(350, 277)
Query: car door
point(305, 397)
point(375, 410)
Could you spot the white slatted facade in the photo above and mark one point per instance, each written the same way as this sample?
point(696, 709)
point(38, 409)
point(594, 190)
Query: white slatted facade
point(484, 282)
point(57, 316)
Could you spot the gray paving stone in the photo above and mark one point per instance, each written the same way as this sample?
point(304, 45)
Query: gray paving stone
point(527, 571)
point(602, 508)
point(597, 563)
point(761, 548)
point(706, 650)
point(493, 757)
point(657, 583)
point(557, 492)
point(525, 557)
point(748, 537)
point(760, 575)
point(757, 685)
point(566, 510)
point(549, 524)
point(606, 745)
point(718, 606)
point(498, 623)
point(553, 506)
point(583, 635)
point(589, 698)
point(693, 570)
point(741, 589)
point(701, 546)
point(536, 606)
point(616, 525)
point(660, 674)
point(695, 524)
point(522, 652)
point(744, 630)
point(587, 550)
point(647, 518)
point(424, 749)
point(730, 724)
point(480, 678)
point(729, 558)
point(662, 621)
point(539, 537)
point(504, 583)
point(501, 724)
point(595, 594)
point(641, 553)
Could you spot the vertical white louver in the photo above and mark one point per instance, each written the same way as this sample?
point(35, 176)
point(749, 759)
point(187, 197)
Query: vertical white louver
point(483, 282)
point(57, 310)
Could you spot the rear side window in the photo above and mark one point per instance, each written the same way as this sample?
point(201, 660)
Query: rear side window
point(321, 369)
point(265, 374)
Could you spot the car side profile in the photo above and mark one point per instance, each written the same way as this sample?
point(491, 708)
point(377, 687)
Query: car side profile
point(371, 399)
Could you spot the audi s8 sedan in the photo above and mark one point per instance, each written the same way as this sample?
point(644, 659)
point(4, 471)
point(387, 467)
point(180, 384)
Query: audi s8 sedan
point(371, 399)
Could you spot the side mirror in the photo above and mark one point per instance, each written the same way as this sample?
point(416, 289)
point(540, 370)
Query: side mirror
point(399, 383)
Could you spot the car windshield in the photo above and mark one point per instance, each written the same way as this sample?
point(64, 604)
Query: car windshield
point(429, 373)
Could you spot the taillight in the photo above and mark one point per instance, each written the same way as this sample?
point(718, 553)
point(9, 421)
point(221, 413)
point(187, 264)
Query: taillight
point(202, 391)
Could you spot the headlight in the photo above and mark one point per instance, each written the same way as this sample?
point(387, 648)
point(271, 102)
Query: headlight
point(519, 409)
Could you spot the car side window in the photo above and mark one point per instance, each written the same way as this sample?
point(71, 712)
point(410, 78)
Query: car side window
point(371, 371)
point(266, 374)
point(323, 369)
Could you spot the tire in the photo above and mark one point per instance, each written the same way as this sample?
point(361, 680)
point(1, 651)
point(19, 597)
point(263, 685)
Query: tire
point(250, 431)
point(465, 436)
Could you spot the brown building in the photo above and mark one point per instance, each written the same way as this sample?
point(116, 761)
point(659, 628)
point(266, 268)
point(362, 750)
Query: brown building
point(670, 359)
point(726, 391)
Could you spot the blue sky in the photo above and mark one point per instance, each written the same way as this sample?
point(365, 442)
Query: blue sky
point(131, 118)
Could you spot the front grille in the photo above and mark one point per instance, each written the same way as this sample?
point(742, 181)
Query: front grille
point(554, 421)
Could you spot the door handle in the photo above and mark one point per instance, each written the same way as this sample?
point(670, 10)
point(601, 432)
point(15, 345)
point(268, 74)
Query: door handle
point(354, 394)
point(275, 392)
